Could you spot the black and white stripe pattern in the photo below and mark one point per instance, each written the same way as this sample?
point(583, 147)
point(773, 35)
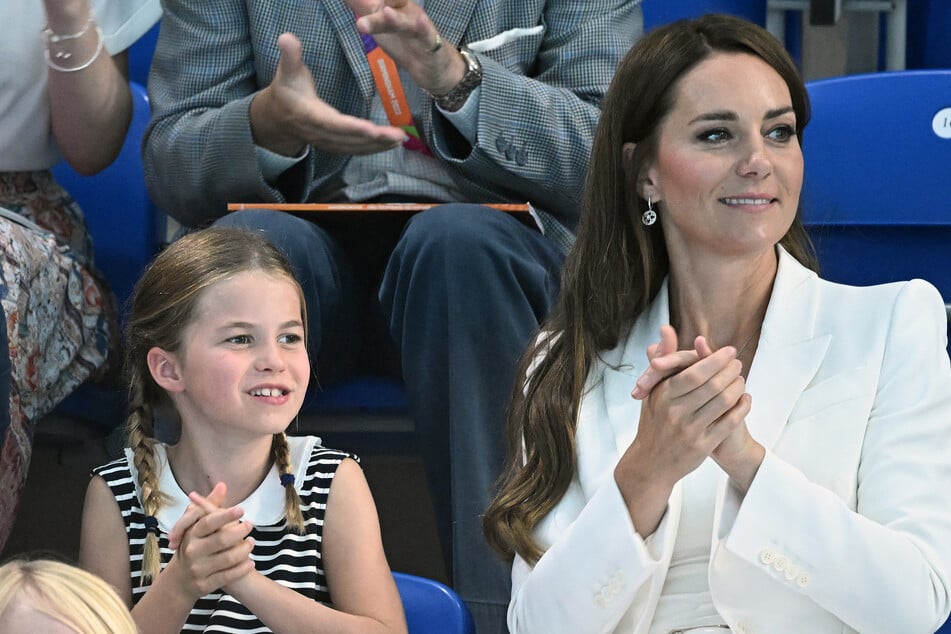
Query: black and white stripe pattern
point(279, 553)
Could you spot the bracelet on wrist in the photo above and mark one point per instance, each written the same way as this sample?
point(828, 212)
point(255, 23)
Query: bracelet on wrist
point(64, 55)
point(55, 38)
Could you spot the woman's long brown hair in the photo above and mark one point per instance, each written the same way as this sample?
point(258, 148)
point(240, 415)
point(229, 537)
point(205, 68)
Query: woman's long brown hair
point(615, 268)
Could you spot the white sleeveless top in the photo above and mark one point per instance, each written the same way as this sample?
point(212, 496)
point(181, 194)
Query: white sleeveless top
point(26, 142)
point(685, 600)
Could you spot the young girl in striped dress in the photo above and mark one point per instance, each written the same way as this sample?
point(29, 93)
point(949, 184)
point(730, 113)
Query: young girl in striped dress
point(235, 527)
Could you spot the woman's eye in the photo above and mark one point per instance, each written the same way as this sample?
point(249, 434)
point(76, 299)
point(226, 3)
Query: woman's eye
point(290, 339)
point(714, 136)
point(782, 133)
point(240, 340)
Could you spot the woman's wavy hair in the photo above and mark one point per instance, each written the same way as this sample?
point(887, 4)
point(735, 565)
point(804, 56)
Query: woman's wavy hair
point(68, 594)
point(163, 305)
point(615, 267)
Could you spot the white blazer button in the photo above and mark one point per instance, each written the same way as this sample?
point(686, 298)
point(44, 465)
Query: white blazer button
point(802, 580)
point(791, 571)
point(766, 556)
point(779, 563)
point(600, 599)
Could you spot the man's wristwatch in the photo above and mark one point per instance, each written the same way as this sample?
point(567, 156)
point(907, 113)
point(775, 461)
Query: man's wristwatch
point(455, 98)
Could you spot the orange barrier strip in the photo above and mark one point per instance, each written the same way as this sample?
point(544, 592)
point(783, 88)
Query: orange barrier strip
point(512, 208)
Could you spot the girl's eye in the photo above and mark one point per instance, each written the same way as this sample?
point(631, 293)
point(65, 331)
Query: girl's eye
point(714, 136)
point(240, 340)
point(290, 339)
point(782, 133)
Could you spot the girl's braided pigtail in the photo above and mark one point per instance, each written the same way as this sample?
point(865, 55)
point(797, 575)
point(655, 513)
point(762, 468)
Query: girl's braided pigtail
point(282, 458)
point(141, 432)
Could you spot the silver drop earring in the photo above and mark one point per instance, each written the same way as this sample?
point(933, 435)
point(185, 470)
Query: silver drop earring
point(649, 217)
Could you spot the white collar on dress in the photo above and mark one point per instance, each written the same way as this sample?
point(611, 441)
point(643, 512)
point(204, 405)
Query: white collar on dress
point(265, 505)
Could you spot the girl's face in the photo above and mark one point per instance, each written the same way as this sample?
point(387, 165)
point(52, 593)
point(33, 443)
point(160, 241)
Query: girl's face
point(729, 167)
point(243, 366)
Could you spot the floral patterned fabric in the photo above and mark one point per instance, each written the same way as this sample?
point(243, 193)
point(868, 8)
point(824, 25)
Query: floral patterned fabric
point(60, 316)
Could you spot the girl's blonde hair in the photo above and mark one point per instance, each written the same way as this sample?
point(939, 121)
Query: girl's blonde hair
point(66, 593)
point(164, 304)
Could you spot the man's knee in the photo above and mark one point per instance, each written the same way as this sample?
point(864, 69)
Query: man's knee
point(303, 243)
point(282, 229)
point(458, 231)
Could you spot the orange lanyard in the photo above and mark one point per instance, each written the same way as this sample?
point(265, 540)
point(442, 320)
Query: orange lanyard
point(390, 87)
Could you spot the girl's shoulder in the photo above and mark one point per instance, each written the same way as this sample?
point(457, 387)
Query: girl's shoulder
point(120, 478)
point(311, 450)
point(116, 468)
point(315, 464)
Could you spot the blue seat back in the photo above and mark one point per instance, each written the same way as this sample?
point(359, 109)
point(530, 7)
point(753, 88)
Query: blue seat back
point(140, 55)
point(118, 210)
point(877, 189)
point(432, 607)
point(657, 12)
point(928, 43)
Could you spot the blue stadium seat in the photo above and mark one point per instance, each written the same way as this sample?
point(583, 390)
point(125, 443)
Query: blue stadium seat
point(431, 607)
point(140, 56)
point(123, 223)
point(878, 177)
point(928, 43)
point(657, 12)
point(366, 413)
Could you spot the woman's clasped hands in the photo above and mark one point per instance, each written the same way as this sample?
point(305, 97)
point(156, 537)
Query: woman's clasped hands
point(694, 406)
point(212, 545)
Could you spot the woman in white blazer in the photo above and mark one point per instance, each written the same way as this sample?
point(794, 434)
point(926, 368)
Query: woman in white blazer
point(710, 437)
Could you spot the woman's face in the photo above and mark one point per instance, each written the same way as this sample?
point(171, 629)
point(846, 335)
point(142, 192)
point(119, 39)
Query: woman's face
point(729, 167)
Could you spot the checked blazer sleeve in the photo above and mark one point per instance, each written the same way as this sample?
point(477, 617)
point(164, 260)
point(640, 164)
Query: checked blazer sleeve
point(198, 151)
point(540, 102)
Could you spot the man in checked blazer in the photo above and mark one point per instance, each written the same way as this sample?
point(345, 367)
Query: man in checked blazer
point(274, 101)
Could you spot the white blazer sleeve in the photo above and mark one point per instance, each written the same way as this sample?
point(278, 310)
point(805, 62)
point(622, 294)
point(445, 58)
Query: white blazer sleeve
point(595, 568)
point(885, 566)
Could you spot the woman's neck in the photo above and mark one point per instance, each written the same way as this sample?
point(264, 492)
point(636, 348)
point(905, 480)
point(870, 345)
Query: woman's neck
point(199, 465)
point(721, 299)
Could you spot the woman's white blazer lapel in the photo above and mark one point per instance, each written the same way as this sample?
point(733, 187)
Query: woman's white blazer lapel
point(789, 353)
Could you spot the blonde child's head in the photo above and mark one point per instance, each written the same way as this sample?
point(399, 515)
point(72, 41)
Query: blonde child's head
point(33, 590)
point(164, 304)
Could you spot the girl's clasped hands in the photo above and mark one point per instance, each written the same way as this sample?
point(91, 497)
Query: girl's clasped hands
point(211, 543)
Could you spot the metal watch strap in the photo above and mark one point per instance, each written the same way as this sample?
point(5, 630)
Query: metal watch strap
point(455, 98)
